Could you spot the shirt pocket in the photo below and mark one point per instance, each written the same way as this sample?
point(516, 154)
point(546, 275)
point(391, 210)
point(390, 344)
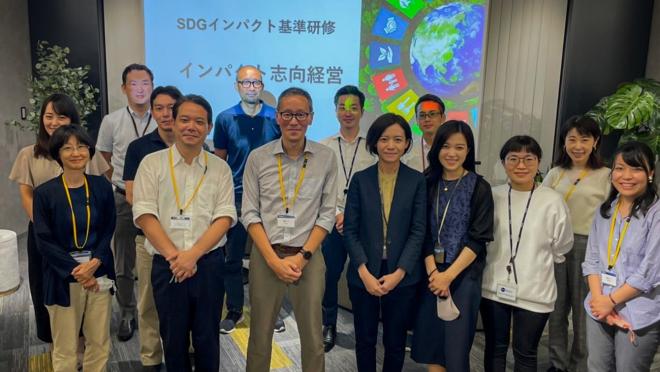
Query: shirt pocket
point(310, 188)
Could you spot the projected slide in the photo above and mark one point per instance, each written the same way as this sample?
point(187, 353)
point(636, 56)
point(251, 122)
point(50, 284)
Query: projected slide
point(395, 50)
point(413, 47)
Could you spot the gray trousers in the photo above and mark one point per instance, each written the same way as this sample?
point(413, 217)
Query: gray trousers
point(124, 252)
point(610, 349)
point(266, 294)
point(571, 291)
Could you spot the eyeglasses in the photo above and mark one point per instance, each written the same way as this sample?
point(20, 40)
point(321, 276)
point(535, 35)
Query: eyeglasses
point(71, 149)
point(429, 115)
point(248, 83)
point(514, 160)
point(300, 116)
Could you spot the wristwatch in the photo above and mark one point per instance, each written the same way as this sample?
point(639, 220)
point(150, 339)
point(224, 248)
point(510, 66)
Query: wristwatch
point(306, 254)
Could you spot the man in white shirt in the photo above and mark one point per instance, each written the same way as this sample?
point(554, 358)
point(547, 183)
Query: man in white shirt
point(118, 129)
point(349, 146)
point(184, 202)
point(430, 114)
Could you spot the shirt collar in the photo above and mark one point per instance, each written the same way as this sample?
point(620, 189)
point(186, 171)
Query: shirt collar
point(339, 135)
point(176, 157)
point(279, 149)
point(132, 112)
point(155, 137)
point(240, 110)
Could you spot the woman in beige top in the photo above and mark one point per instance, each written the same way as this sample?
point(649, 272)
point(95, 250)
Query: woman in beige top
point(34, 166)
point(579, 175)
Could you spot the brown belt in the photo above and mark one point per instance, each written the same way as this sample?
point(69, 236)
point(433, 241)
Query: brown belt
point(285, 250)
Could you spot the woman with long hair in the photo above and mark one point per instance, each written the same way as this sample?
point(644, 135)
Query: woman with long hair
point(459, 225)
point(580, 176)
point(34, 166)
point(622, 266)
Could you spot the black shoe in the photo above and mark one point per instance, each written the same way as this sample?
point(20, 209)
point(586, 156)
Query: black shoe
point(155, 368)
point(329, 337)
point(555, 369)
point(126, 330)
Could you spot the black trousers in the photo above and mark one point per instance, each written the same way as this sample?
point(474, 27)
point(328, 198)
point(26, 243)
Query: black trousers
point(527, 330)
point(36, 278)
point(191, 306)
point(395, 309)
point(334, 254)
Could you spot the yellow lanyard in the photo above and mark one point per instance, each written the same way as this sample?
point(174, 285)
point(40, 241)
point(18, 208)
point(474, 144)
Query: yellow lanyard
point(301, 176)
point(611, 260)
point(176, 189)
point(572, 188)
point(73, 215)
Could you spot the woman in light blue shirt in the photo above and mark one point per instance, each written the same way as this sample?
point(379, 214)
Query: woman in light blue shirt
point(622, 265)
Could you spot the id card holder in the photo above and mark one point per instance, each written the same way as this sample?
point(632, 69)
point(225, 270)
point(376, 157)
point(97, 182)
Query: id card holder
point(81, 256)
point(507, 291)
point(286, 220)
point(181, 222)
point(608, 278)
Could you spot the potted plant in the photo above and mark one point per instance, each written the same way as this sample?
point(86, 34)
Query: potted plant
point(54, 75)
point(631, 113)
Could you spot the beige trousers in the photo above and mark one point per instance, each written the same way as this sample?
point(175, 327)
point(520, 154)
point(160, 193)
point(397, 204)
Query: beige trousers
point(266, 295)
point(92, 310)
point(151, 349)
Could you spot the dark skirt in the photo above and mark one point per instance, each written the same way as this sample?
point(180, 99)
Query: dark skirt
point(36, 279)
point(448, 343)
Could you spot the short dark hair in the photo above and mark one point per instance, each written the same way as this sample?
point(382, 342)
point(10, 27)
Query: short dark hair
point(169, 90)
point(136, 67)
point(378, 127)
point(295, 91)
point(521, 143)
point(62, 105)
point(635, 154)
point(62, 135)
point(352, 90)
point(585, 126)
point(430, 97)
point(196, 99)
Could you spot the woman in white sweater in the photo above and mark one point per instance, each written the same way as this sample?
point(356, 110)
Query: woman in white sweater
point(532, 231)
point(584, 182)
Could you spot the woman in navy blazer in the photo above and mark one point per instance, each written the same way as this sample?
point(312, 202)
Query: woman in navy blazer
point(384, 226)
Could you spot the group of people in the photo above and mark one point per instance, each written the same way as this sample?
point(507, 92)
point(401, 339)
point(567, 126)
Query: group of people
point(431, 245)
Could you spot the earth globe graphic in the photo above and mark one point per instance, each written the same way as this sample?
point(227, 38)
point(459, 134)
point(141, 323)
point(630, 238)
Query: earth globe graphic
point(445, 50)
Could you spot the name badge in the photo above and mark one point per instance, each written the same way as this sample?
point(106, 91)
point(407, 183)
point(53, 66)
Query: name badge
point(181, 222)
point(286, 220)
point(81, 256)
point(507, 291)
point(608, 278)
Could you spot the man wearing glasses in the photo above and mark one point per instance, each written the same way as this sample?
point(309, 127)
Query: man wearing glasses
point(239, 130)
point(430, 114)
point(290, 194)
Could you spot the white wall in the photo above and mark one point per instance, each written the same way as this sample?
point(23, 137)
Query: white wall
point(124, 44)
point(16, 62)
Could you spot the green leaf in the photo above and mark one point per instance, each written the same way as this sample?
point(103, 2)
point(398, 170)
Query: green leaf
point(629, 107)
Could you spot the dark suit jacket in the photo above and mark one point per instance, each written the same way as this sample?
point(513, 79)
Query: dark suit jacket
point(363, 225)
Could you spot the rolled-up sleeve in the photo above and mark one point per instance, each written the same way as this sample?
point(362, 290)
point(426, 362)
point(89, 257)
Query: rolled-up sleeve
point(647, 275)
point(224, 203)
point(250, 202)
point(145, 188)
point(592, 264)
point(327, 212)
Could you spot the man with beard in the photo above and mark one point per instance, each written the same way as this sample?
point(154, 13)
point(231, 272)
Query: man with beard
point(162, 101)
point(239, 130)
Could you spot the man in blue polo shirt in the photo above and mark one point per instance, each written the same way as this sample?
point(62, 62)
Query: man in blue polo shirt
point(239, 130)
point(162, 100)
